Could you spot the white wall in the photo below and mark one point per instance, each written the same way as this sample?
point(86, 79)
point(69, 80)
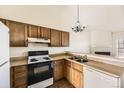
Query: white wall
point(100, 21)
point(109, 19)
point(58, 17)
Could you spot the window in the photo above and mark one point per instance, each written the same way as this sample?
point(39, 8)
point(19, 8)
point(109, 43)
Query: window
point(120, 48)
point(118, 44)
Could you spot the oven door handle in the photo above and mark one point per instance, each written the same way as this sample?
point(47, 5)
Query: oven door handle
point(52, 64)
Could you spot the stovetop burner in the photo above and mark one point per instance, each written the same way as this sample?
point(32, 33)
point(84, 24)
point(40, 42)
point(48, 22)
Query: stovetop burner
point(33, 60)
point(38, 57)
point(46, 58)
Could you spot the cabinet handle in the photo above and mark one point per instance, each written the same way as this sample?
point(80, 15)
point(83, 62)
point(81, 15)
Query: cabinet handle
point(3, 63)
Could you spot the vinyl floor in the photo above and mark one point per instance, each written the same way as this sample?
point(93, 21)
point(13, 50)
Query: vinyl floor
point(61, 84)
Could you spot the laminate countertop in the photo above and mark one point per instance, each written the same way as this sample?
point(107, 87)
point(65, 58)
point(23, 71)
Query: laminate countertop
point(114, 70)
point(59, 57)
point(109, 69)
point(18, 61)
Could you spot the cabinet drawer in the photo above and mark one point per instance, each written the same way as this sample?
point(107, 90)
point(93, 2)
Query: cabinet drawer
point(77, 67)
point(59, 62)
point(20, 69)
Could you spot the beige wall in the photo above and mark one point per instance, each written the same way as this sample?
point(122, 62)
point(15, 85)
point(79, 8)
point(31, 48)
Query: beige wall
point(100, 22)
point(58, 17)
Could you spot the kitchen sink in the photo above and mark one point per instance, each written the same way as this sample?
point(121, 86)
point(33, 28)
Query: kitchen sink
point(80, 59)
point(74, 58)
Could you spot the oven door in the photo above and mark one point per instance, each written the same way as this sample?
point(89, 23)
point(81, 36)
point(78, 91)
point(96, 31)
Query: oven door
point(39, 72)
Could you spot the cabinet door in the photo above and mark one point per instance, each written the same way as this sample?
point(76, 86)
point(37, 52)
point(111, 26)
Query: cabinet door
point(65, 38)
point(19, 77)
point(55, 38)
point(58, 70)
point(77, 78)
point(18, 34)
point(68, 73)
point(44, 33)
point(33, 31)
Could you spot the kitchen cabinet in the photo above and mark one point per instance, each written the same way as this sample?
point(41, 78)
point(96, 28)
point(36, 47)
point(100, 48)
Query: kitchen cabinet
point(59, 38)
point(77, 75)
point(58, 70)
point(33, 31)
point(38, 32)
point(77, 78)
point(19, 76)
point(74, 73)
point(18, 34)
point(55, 38)
point(103, 80)
point(65, 38)
point(68, 71)
point(44, 33)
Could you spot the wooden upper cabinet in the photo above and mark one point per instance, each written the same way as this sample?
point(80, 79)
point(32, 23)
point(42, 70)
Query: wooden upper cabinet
point(33, 31)
point(44, 33)
point(59, 38)
point(55, 38)
point(18, 34)
point(65, 38)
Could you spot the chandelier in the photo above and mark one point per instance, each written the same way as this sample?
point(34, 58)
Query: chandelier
point(78, 27)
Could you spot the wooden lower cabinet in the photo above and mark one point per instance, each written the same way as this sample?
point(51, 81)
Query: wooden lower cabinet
point(68, 71)
point(77, 78)
point(58, 70)
point(19, 76)
point(74, 74)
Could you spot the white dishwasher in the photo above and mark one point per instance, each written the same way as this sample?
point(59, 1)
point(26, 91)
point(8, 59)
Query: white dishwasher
point(96, 79)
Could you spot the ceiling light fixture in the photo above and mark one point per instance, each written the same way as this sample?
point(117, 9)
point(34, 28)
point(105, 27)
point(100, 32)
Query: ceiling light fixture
point(78, 27)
